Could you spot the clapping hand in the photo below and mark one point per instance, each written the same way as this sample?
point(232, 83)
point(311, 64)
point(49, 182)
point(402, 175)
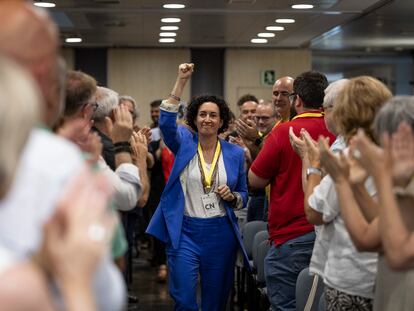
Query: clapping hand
point(312, 150)
point(337, 168)
point(298, 145)
point(247, 130)
point(122, 127)
point(402, 149)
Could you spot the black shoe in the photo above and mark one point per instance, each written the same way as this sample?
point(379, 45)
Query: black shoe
point(133, 299)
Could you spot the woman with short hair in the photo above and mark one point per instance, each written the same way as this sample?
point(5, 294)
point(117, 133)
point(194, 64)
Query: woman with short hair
point(195, 216)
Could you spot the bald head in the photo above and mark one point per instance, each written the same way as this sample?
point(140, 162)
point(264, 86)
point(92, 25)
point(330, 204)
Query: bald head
point(28, 36)
point(282, 88)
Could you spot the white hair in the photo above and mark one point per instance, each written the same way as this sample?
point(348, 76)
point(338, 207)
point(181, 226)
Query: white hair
point(124, 98)
point(20, 110)
point(107, 100)
point(332, 91)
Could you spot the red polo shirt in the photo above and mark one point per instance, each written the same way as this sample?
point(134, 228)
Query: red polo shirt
point(278, 162)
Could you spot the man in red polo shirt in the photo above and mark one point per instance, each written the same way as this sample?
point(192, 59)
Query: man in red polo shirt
point(277, 164)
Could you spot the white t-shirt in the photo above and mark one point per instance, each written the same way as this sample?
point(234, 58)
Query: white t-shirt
point(194, 187)
point(46, 165)
point(335, 257)
point(126, 184)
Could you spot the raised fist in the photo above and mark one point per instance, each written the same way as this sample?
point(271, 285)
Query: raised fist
point(185, 70)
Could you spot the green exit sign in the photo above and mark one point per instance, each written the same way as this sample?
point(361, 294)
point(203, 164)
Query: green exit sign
point(268, 77)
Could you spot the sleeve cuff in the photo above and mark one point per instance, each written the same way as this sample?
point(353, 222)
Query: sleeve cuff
point(130, 173)
point(166, 106)
point(408, 191)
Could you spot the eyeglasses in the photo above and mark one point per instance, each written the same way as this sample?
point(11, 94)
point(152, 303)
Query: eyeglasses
point(263, 118)
point(283, 93)
point(94, 106)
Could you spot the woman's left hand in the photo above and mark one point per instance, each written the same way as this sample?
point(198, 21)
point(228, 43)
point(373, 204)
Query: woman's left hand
point(225, 193)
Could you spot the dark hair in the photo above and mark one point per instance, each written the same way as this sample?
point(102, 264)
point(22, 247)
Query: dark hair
point(156, 103)
point(247, 98)
point(194, 106)
point(310, 87)
point(80, 87)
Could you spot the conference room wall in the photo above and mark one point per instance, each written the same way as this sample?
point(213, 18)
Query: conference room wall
point(148, 74)
point(145, 74)
point(243, 68)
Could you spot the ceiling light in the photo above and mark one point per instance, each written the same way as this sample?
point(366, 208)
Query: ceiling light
point(168, 34)
point(170, 20)
point(302, 6)
point(285, 20)
point(173, 6)
point(169, 28)
point(166, 40)
point(45, 4)
point(73, 40)
point(258, 40)
point(266, 35)
point(332, 13)
point(275, 28)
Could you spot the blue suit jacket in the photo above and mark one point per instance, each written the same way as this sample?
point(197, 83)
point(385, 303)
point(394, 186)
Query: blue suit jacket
point(167, 220)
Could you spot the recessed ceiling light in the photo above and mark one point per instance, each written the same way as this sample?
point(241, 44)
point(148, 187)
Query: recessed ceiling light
point(275, 28)
point(173, 6)
point(332, 13)
point(168, 34)
point(45, 4)
point(166, 40)
point(266, 35)
point(258, 40)
point(73, 40)
point(170, 20)
point(302, 6)
point(169, 28)
point(285, 20)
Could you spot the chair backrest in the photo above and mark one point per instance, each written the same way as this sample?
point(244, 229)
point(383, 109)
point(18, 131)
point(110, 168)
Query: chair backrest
point(262, 250)
point(249, 231)
point(258, 238)
point(309, 289)
point(322, 303)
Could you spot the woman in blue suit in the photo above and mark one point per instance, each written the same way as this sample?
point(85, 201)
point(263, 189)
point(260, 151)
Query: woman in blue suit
point(195, 216)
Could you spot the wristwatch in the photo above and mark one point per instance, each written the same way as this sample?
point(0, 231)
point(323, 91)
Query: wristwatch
point(313, 170)
point(258, 141)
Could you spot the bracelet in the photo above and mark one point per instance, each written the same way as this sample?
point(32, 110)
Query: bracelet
point(120, 149)
point(175, 97)
point(313, 170)
point(122, 144)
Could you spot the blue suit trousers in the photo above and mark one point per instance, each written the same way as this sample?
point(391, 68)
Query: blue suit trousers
point(207, 248)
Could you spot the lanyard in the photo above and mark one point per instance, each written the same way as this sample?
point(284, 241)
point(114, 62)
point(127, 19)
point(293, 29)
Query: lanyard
point(309, 115)
point(207, 176)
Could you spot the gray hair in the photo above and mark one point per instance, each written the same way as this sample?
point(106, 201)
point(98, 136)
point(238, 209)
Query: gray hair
point(20, 110)
point(396, 110)
point(107, 100)
point(332, 91)
point(270, 104)
point(124, 98)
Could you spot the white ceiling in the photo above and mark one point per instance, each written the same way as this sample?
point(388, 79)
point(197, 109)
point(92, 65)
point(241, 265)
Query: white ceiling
point(330, 25)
